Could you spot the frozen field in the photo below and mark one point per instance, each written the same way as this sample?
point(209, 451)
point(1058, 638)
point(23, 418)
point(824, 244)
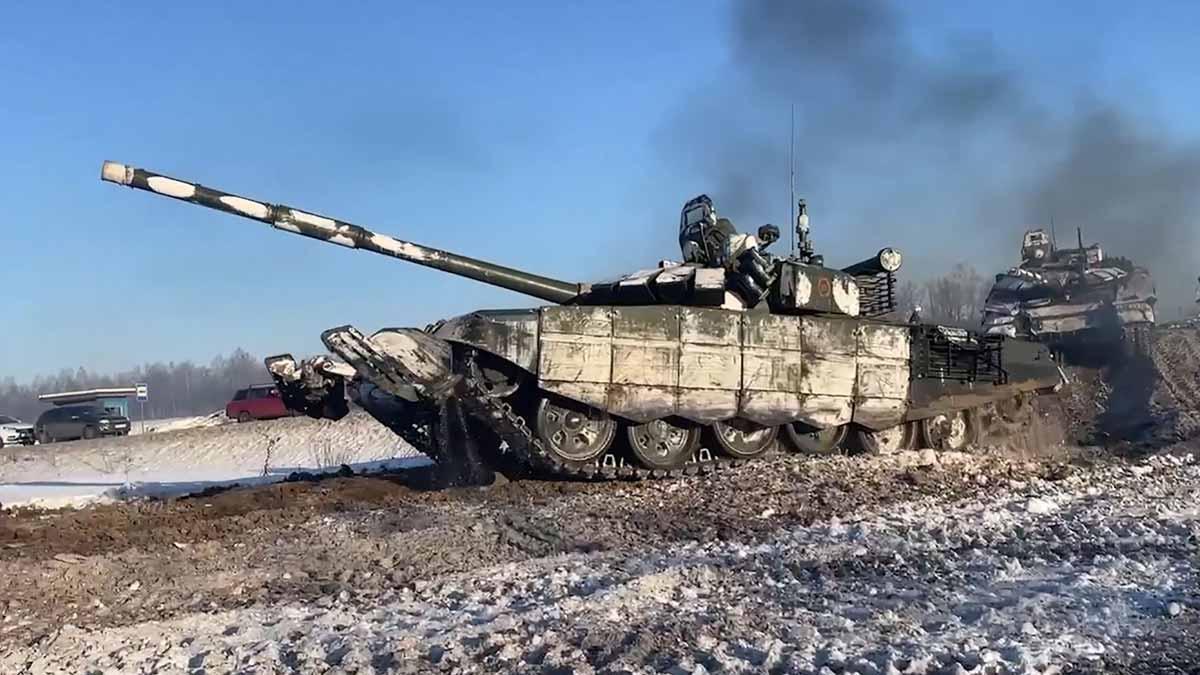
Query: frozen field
point(190, 454)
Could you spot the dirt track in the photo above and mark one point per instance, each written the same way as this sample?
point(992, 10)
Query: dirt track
point(125, 575)
point(236, 547)
point(341, 547)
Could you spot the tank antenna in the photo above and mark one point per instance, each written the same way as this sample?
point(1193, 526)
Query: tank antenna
point(792, 178)
point(1053, 237)
point(1083, 261)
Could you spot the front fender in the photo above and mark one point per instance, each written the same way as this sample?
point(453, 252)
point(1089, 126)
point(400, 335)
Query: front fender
point(511, 334)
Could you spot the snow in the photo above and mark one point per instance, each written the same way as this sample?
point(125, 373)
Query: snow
point(984, 584)
point(178, 423)
point(191, 456)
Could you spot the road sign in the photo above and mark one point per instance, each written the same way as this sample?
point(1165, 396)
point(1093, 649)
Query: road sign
point(143, 392)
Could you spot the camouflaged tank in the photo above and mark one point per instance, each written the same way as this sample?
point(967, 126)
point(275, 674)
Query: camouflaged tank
point(1073, 299)
point(689, 366)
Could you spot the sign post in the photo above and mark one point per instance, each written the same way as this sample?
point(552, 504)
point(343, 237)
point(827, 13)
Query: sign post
point(143, 394)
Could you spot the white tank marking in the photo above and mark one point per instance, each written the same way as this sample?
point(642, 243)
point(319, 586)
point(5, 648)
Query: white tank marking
point(401, 249)
point(171, 187)
point(733, 302)
point(314, 220)
point(803, 288)
point(246, 207)
point(330, 366)
point(845, 296)
point(343, 240)
point(286, 225)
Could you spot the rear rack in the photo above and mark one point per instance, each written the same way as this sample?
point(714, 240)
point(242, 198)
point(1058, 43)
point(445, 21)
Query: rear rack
point(957, 355)
point(876, 293)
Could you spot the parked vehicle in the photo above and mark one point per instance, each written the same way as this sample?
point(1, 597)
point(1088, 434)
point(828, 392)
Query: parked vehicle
point(256, 402)
point(79, 421)
point(15, 432)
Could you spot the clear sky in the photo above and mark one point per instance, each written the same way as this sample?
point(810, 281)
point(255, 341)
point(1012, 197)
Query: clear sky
point(529, 133)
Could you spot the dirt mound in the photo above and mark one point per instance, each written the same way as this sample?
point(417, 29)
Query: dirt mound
point(1176, 357)
point(1138, 402)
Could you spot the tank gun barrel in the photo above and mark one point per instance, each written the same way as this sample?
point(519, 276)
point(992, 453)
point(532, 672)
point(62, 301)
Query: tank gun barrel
point(338, 232)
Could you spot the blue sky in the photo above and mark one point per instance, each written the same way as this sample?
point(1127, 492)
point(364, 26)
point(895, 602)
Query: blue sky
point(527, 133)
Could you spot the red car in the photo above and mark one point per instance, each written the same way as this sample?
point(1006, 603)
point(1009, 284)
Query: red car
point(256, 402)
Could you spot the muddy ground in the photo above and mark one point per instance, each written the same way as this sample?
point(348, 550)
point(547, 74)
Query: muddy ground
point(117, 574)
point(116, 564)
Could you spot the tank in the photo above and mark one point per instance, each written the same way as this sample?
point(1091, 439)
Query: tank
point(1075, 300)
point(686, 367)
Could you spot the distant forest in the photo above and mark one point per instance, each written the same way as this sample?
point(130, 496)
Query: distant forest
point(176, 389)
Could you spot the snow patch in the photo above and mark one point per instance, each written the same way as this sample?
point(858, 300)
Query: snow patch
point(193, 454)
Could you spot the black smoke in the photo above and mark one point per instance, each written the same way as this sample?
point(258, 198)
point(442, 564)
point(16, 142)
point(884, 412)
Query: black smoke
point(970, 121)
point(1134, 190)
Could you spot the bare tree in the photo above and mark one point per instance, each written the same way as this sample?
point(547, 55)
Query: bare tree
point(908, 296)
point(956, 298)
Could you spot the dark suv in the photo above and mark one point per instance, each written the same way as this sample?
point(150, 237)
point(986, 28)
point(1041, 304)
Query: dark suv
point(79, 421)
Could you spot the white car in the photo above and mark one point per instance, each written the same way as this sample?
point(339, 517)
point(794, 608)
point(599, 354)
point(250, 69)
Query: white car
point(15, 432)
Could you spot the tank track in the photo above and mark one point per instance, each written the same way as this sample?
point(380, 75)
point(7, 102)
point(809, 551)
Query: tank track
point(520, 440)
point(414, 429)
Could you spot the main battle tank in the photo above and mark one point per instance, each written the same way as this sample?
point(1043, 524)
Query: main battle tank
point(1073, 299)
point(679, 369)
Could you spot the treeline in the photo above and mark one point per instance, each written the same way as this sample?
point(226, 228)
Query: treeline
point(953, 299)
point(176, 389)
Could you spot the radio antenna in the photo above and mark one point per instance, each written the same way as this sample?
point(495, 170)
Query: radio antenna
point(792, 179)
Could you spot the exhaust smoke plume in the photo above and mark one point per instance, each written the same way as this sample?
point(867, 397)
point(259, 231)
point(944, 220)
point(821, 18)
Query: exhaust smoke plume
point(899, 134)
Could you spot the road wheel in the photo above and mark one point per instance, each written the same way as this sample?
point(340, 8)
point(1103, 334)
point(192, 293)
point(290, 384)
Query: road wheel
point(90, 433)
point(574, 432)
point(813, 441)
point(953, 431)
point(886, 441)
point(742, 439)
point(44, 438)
point(659, 444)
point(244, 417)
